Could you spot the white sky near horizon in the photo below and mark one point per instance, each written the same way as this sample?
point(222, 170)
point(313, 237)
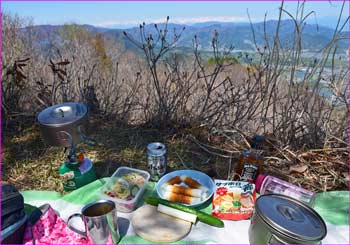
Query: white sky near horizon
point(128, 14)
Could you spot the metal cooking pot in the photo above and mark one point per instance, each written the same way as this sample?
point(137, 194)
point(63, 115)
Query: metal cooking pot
point(63, 124)
point(279, 219)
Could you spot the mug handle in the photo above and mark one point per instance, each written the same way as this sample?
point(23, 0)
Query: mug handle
point(70, 140)
point(85, 139)
point(83, 234)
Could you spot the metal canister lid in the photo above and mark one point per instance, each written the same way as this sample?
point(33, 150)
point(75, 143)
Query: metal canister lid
point(156, 149)
point(62, 114)
point(291, 217)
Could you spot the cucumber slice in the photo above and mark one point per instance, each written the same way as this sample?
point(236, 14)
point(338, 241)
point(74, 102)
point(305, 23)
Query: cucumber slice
point(203, 217)
point(134, 189)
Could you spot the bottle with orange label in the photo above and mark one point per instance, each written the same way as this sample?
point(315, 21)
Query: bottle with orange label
point(250, 161)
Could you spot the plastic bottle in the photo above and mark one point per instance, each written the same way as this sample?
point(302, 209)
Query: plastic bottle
point(266, 184)
point(250, 162)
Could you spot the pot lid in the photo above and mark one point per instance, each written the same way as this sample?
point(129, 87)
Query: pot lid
point(291, 217)
point(62, 114)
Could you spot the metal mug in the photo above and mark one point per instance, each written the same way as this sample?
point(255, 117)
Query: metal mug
point(100, 221)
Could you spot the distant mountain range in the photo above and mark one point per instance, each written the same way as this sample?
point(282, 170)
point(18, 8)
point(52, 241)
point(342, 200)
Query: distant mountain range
point(239, 35)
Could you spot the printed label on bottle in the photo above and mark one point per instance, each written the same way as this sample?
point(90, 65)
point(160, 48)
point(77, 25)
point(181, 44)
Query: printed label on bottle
point(273, 188)
point(249, 172)
point(283, 190)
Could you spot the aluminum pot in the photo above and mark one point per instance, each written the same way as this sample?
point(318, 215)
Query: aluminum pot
point(279, 219)
point(63, 124)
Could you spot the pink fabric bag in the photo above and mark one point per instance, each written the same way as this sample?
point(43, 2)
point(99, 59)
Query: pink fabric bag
point(46, 227)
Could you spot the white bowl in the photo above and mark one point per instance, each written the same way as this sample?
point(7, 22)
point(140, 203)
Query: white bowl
point(202, 178)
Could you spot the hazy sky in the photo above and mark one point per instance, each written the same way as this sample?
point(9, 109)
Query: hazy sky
point(126, 14)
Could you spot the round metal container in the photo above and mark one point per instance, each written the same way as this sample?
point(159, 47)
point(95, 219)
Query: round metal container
point(156, 160)
point(284, 220)
point(59, 124)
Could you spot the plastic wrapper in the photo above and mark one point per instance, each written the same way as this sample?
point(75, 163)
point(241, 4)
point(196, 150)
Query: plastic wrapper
point(233, 200)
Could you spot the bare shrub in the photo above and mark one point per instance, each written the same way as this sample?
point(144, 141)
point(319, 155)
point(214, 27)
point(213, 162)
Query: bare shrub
point(72, 65)
point(14, 63)
point(293, 108)
point(167, 88)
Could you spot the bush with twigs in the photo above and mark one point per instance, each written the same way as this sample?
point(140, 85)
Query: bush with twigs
point(228, 99)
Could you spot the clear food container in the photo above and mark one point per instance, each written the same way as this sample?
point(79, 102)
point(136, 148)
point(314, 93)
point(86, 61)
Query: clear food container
point(125, 188)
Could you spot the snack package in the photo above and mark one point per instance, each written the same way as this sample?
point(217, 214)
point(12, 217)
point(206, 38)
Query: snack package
point(233, 200)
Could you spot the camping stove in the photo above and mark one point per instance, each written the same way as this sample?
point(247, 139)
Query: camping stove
point(76, 171)
point(62, 125)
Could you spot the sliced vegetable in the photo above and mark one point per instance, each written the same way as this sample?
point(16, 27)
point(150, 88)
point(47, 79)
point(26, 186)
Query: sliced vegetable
point(203, 217)
point(134, 178)
point(134, 190)
point(177, 213)
point(120, 189)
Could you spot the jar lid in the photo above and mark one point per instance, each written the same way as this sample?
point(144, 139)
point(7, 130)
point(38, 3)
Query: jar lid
point(61, 114)
point(291, 217)
point(258, 141)
point(156, 149)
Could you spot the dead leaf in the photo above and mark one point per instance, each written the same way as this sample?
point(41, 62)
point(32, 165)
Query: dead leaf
point(20, 76)
point(66, 62)
point(20, 66)
point(62, 71)
point(306, 155)
point(23, 60)
point(298, 169)
point(60, 76)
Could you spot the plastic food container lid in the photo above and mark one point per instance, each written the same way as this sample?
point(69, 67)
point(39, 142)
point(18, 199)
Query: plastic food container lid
point(291, 217)
point(62, 114)
point(118, 177)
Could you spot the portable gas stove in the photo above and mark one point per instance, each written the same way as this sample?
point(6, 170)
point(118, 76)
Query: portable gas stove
point(61, 125)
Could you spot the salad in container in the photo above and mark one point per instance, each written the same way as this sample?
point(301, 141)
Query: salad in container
point(125, 188)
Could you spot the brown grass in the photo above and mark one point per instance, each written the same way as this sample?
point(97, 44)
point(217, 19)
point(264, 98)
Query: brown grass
point(30, 164)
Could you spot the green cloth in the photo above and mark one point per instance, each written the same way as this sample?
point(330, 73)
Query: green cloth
point(332, 206)
point(90, 193)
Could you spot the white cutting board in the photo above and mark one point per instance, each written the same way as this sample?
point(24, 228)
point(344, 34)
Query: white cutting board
point(154, 226)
